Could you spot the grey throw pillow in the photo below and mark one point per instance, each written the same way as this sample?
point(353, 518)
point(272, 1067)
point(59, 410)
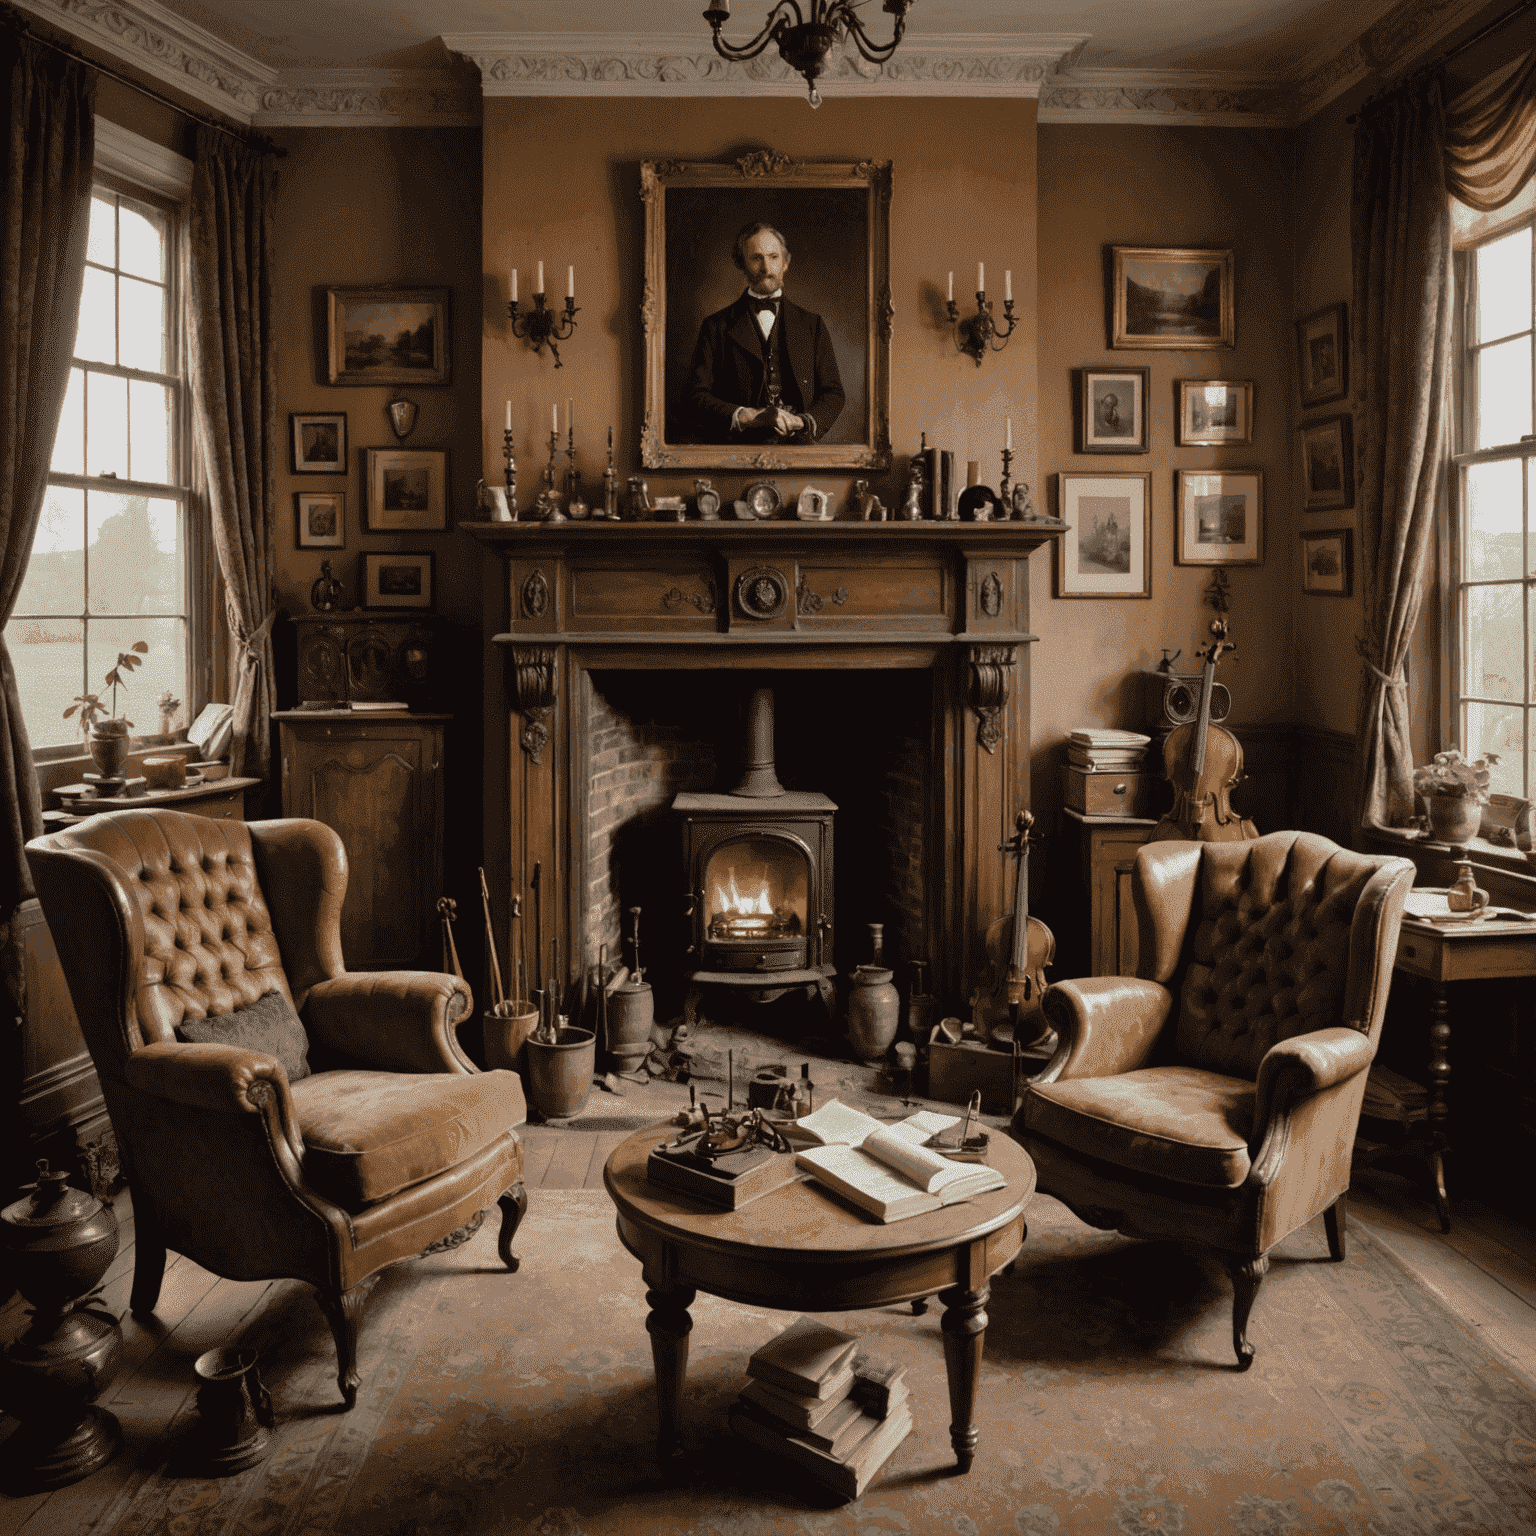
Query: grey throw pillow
point(269, 1025)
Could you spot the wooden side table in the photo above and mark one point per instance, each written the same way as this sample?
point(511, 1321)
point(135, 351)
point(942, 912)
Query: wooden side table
point(1108, 846)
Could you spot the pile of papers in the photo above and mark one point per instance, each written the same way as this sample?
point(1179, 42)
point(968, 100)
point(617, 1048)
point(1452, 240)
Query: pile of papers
point(1106, 751)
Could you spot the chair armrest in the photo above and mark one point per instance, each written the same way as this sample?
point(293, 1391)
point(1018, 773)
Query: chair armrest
point(1297, 1068)
point(1107, 1024)
point(401, 1021)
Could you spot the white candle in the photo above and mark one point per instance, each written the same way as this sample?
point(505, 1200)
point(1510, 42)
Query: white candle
point(540, 288)
point(981, 277)
point(951, 287)
point(1008, 286)
point(514, 285)
point(570, 282)
point(509, 415)
point(554, 419)
point(1008, 434)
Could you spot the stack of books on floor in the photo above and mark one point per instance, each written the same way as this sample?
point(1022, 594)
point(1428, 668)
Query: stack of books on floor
point(1106, 773)
point(816, 1400)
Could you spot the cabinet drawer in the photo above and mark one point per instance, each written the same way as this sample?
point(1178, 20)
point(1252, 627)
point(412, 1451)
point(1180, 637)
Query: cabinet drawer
point(661, 595)
point(888, 594)
point(1113, 794)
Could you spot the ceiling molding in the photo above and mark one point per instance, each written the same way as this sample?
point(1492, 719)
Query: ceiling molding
point(643, 64)
point(1170, 98)
point(368, 98)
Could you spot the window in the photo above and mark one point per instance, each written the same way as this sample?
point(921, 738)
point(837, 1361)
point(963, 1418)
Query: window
point(110, 562)
point(1494, 704)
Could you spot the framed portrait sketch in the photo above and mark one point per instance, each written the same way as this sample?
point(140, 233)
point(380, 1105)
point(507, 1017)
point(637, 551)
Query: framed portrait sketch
point(1112, 410)
point(767, 314)
point(1327, 464)
point(318, 442)
point(397, 579)
point(1219, 517)
point(1323, 340)
point(407, 490)
point(322, 519)
point(1213, 412)
point(1327, 566)
point(1171, 298)
point(387, 335)
point(1103, 553)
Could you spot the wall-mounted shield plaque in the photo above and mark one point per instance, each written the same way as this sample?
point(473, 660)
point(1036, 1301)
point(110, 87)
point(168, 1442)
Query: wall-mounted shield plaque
point(402, 417)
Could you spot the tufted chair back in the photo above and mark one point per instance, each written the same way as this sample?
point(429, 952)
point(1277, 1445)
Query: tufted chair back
point(1266, 948)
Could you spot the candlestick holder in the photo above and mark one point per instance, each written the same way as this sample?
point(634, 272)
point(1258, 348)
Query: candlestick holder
point(576, 507)
point(610, 485)
point(509, 472)
point(548, 505)
point(979, 333)
point(542, 326)
point(1002, 487)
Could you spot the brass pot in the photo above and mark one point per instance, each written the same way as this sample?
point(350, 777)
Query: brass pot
point(107, 742)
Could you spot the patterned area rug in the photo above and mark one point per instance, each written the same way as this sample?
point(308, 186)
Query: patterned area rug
point(524, 1404)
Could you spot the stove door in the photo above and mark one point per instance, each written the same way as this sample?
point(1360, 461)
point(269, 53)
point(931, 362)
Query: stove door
point(755, 912)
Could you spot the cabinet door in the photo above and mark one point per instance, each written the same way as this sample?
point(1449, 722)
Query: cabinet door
point(378, 786)
point(1112, 858)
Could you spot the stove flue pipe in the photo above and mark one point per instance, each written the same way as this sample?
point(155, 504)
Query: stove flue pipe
point(760, 782)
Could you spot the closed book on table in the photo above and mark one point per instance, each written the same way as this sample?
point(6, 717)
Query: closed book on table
point(849, 1475)
point(799, 1411)
point(1112, 794)
point(741, 1176)
point(807, 1357)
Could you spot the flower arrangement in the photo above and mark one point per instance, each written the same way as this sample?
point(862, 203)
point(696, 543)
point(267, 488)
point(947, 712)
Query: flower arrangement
point(90, 705)
point(1455, 776)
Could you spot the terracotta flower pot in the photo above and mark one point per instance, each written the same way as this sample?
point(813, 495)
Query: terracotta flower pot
point(108, 745)
point(1454, 819)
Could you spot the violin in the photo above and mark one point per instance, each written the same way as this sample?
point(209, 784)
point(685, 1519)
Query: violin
point(1204, 763)
point(1019, 947)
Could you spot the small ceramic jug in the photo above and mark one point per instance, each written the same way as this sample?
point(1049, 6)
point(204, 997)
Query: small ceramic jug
point(874, 1011)
point(1466, 895)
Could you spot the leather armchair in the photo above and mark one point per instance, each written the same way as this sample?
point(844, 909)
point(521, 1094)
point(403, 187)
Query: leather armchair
point(1214, 1095)
point(394, 1145)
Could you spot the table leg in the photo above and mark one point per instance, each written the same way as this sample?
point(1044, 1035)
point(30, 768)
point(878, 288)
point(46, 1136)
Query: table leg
point(965, 1328)
point(1439, 1113)
point(669, 1325)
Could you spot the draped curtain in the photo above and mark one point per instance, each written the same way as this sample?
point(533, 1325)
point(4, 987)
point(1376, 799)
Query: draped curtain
point(51, 137)
point(234, 411)
point(1411, 152)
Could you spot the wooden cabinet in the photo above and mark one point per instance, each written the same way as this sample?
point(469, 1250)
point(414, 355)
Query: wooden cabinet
point(1107, 845)
point(378, 782)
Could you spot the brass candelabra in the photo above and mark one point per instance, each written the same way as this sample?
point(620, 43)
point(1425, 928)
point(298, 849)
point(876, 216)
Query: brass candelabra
point(542, 325)
point(980, 333)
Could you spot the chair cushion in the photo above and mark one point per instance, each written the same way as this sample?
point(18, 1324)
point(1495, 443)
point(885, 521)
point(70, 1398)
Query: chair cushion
point(368, 1135)
point(1178, 1123)
point(269, 1025)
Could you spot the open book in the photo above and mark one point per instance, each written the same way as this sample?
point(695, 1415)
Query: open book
point(886, 1169)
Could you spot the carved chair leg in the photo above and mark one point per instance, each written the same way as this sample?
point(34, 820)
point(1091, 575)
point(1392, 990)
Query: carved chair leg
point(514, 1206)
point(343, 1310)
point(1246, 1279)
point(1333, 1224)
point(148, 1266)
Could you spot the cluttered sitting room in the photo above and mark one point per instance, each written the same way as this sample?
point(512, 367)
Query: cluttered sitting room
point(768, 771)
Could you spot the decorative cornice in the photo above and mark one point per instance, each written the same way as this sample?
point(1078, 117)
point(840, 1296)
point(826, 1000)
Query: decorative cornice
point(365, 98)
point(643, 64)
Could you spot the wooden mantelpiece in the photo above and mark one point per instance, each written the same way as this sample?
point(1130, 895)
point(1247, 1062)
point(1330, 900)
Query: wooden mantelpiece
point(949, 597)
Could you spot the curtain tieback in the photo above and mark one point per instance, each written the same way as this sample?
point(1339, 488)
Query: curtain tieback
point(250, 648)
point(1384, 678)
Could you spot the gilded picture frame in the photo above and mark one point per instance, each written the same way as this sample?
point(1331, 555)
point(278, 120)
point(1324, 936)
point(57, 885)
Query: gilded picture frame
point(1215, 413)
point(1106, 550)
point(835, 219)
point(1171, 298)
point(387, 336)
point(1322, 356)
point(1218, 516)
point(1112, 409)
point(1327, 463)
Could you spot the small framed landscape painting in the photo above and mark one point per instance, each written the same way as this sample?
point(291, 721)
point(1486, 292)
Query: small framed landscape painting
point(322, 519)
point(1327, 464)
point(1219, 517)
point(1104, 550)
point(407, 490)
point(1326, 563)
point(397, 579)
point(1213, 412)
point(1112, 410)
point(318, 440)
point(1323, 340)
point(387, 335)
point(1171, 298)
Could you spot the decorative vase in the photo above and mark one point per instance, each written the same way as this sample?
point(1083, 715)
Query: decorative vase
point(234, 1412)
point(107, 743)
point(1454, 819)
point(874, 1011)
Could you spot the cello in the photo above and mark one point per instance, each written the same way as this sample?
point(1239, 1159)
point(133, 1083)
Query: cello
point(1204, 763)
point(1006, 1007)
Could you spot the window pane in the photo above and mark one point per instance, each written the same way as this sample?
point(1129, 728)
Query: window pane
point(48, 656)
point(100, 243)
point(96, 336)
point(69, 442)
point(1494, 666)
point(1503, 286)
point(1504, 393)
point(149, 428)
point(106, 425)
point(135, 554)
point(165, 666)
point(141, 325)
point(55, 581)
point(1493, 519)
point(142, 237)
point(1501, 729)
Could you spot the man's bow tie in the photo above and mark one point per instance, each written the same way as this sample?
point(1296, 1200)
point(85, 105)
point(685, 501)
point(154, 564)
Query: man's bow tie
point(761, 304)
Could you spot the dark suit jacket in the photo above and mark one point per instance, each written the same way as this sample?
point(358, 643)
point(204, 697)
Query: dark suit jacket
point(727, 370)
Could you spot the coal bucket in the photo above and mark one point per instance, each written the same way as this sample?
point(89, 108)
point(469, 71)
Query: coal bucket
point(560, 1073)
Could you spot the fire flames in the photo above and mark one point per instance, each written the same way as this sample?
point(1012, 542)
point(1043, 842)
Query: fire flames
point(746, 909)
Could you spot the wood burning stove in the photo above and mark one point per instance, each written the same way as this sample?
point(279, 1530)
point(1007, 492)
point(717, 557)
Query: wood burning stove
point(759, 864)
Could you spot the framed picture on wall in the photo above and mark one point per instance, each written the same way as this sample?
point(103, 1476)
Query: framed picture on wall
point(387, 335)
point(1327, 464)
point(397, 579)
point(322, 519)
point(820, 231)
point(1215, 412)
point(1103, 553)
point(1112, 410)
point(1219, 517)
point(318, 442)
point(1171, 298)
point(1327, 563)
point(407, 490)
point(1323, 340)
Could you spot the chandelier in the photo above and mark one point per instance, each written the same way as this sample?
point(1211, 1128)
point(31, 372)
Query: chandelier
point(804, 44)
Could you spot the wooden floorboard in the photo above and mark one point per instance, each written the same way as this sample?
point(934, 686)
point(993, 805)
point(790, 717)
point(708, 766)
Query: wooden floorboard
point(568, 1167)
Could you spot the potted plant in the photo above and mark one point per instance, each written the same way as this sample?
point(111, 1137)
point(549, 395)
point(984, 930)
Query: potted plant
point(106, 732)
point(1454, 789)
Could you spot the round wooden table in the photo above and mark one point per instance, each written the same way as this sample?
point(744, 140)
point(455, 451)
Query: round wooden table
point(803, 1249)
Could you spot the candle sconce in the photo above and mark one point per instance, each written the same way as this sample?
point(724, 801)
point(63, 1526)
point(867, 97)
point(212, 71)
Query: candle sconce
point(980, 333)
point(543, 326)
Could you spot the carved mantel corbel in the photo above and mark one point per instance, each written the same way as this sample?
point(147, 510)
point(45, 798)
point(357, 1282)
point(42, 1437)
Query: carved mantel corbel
point(991, 677)
point(533, 686)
